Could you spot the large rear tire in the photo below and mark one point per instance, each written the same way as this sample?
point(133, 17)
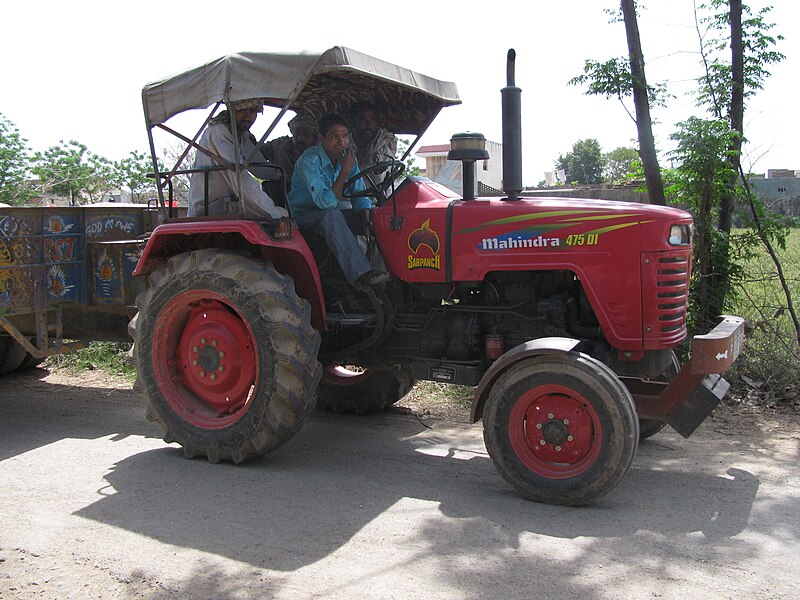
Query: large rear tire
point(225, 353)
point(561, 429)
point(349, 389)
point(12, 355)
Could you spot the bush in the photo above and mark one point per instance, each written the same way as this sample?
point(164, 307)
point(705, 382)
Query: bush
point(108, 356)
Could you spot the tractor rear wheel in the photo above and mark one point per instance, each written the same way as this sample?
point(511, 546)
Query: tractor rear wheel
point(225, 354)
point(12, 355)
point(561, 429)
point(350, 389)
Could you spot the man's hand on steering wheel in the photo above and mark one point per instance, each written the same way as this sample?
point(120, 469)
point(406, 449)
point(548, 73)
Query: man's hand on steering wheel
point(375, 189)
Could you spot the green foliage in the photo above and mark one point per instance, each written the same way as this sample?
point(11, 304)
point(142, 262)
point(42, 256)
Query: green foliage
point(613, 79)
point(771, 354)
point(132, 173)
point(70, 170)
point(411, 168)
point(699, 183)
point(621, 163)
point(758, 54)
point(584, 164)
point(14, 162)
point(108, 356)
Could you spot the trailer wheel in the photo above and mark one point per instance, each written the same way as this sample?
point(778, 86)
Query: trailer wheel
point(349, 389)
point(650, 427)
point(561, 429)
point(12, 355)
point(225, 355)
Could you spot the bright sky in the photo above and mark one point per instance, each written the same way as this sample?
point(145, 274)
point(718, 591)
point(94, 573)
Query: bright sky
point(75, 70)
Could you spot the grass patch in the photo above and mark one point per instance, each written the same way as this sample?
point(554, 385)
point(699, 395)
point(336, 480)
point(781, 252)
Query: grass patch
point(111, 357)
point(769, 363)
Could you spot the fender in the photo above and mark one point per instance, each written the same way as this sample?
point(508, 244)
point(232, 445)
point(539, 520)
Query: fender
point(548, 345)
point(290, 256)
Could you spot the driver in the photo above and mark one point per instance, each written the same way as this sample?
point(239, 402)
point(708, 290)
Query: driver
point(317, 187)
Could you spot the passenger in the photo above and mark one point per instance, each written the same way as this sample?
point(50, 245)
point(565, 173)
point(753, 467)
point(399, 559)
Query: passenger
point(317, 187)
point(222, 197)
point(284, 151)
point(373, 142)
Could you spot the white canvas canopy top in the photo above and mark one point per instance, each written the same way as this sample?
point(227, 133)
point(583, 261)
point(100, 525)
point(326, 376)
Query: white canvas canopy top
point(315, 84)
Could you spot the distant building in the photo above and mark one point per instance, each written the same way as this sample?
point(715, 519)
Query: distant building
point(780, 191)
point(488, 173)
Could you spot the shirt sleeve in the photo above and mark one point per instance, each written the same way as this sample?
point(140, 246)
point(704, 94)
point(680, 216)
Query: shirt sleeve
point(256, 204)
point(309, 170)
point(358, 202)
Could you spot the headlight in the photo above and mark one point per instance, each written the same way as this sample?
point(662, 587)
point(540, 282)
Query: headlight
point(680, 235)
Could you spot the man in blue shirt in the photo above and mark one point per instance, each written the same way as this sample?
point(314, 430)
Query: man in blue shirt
point(317, 187)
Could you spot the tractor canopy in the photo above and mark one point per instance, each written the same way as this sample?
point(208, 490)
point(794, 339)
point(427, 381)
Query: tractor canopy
point(311, 83)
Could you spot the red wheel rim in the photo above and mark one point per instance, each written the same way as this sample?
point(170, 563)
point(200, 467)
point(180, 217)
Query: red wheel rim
point(206, 359)
point(555, 431)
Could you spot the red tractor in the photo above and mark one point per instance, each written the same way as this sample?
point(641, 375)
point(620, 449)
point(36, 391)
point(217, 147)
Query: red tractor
point(564, 314)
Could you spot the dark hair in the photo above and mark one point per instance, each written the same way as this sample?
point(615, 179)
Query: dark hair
point(328, 121)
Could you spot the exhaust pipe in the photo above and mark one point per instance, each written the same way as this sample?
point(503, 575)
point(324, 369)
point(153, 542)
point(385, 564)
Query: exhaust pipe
point(512, 132)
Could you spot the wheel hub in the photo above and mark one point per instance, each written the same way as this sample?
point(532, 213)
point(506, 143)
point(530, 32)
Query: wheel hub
point(218, 358)
point(554, 432)
point(209, 358)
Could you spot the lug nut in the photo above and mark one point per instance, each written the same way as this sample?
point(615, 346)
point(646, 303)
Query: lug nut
point(202, 373)
point(566, 421)
point(221, 368)
point(213, 376)
point(538, 426)
point(549, 415)
point(558, 448)
point(196, 349)
point(222, 355)
point(203, 340)
point(214, 343)
point(194, 363)
point(542, 442)
point(570, 438)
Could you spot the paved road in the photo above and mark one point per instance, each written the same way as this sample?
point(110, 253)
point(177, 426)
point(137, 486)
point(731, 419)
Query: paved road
point(94, 505)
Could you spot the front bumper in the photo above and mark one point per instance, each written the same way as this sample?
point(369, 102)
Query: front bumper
point(689, 398)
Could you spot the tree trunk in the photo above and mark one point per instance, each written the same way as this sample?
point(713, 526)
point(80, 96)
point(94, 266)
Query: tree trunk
point(647, 147)
point(736, 111)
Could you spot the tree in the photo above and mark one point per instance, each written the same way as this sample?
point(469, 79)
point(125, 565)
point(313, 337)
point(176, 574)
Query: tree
point(616, 79)
point(620, 163)
point(71, 171)
point(402, 146)
point(132, 173)
point(14, 162)
point(644, 125)
point(724, 89)
point(584, 164)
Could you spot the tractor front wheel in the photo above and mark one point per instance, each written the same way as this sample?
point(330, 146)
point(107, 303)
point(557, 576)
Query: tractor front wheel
point(225, 354)
point(561, 429)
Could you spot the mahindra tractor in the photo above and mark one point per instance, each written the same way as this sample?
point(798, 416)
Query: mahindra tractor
point(563, 314)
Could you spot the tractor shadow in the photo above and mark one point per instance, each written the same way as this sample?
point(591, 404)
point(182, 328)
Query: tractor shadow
point(339, 474)
point(37, 410)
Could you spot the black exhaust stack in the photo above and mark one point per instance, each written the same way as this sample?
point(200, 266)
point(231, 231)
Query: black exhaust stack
point(512, 132)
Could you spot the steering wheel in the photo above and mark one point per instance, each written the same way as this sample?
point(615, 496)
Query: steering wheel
point(375, 189)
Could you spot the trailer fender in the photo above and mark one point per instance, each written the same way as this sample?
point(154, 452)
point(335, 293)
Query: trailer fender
point(289, 254)
point(548, 345)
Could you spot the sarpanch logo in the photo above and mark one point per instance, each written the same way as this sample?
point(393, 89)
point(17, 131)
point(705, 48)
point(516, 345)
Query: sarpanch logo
point(424, 237)
point(511, 243)
point(415, 262)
